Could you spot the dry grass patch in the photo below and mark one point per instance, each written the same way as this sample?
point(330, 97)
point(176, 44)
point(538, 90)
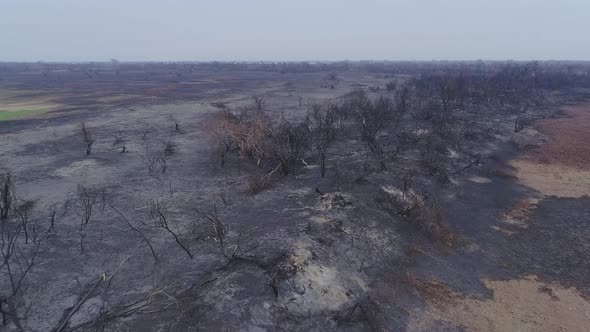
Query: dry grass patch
point(518, 216)
point(569, 137)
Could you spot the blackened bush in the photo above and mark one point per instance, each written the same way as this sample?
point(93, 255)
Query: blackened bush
point(322, 124)
point(373, 117)
point(287, 145)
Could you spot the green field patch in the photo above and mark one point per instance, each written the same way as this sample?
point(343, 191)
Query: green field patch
point(14, 115)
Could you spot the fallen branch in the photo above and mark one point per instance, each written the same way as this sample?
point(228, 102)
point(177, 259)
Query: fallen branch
point(138, 231)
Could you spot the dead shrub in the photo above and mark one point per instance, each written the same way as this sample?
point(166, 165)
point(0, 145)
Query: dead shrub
point(170, 147)
point(430, 218)
point(255, 136)
point(399, 202)
point(256, 184)
point(245, 133)
point(146, 131)
point(433, 157)
point(423, 210)
point(390, 86)
point(365, 310)
point(407, 139)
point(219, 104)
point(521, 123)
point(218, 232)
point(434, 292)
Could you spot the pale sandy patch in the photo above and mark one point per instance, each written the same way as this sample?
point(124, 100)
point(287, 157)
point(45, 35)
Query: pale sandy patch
point(517, 305)
point(479, 179)
point(324, 288)
point(553, 179)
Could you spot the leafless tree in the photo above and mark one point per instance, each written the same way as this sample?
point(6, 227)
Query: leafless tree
point(163, 161)
point(451, 91)
point(120, 140)
point(322, 125)
point(7, 195)
point(146, 131)
point(403, 98)
point(87, 198)
point(87, 137)
point(175, 121)
point(67, 206)
point(23, 210)
point(52, 214)
point(156, 160)
point(258, 102)
point(151, 161)
point(17, 263)
point(288, 143)
point(373, 117)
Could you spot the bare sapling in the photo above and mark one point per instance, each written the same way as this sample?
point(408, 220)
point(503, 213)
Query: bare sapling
point(159, 212)
point(87, 198)
point(87, 137)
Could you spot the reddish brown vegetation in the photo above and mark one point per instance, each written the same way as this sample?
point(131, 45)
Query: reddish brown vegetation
point(569, 138)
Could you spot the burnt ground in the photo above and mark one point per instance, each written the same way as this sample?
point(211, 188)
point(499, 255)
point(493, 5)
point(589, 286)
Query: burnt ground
point(312, 253)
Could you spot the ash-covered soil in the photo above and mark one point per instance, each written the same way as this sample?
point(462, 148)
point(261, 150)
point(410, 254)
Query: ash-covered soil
point(307, 253)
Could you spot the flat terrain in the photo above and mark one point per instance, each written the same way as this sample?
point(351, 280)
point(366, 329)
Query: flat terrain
point(310, 253)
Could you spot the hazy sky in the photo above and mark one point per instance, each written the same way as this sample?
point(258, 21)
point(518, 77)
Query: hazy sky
point(83, 30)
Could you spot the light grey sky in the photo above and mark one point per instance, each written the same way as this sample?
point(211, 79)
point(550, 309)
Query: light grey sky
point(95, 30)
